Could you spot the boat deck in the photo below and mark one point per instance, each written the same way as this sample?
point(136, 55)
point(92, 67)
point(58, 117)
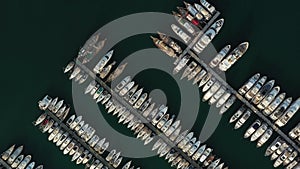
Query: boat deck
point(137, 113)
point(197, 37)
point(79, 140)
point(244, 101)
point(4, 164)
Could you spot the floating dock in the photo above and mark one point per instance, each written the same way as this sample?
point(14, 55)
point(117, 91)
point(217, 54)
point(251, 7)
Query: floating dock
point(197, 37)
point(3, 163)
point(137, 113)
point(243, 100)
point(79, 140)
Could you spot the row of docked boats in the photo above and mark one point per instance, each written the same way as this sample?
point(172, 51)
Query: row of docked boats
point(295, 133)
point(56, 106)
point(214, 91)
point(283, 154)
point(68, 141)
point(77, 74)
point(158, 117)
point(193, 18)
point(91, 49)
point(268, 99)
point(15, 159)
point(167, 45)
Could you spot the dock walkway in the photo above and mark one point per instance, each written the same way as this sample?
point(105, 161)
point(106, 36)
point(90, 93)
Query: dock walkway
point(3, 163)
point(79, 140)
point(243, 100)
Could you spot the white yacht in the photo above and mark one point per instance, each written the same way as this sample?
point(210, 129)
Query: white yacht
point(243, 119)
point(295, 132)
point(123, 83)
point(14, 155)
point(280, 110)
point(238, 114)
point(252, 128)
point(208, 36)
point(203, 11)
point(288, 114)
point(274, 146)
point(223, 99)
point(179, 32)
point(209, 84)
point(89, 88)
point(103, 61)
point(255, 89)
point(228, 104)
point(269, 98)
point(205, 79)
point(263, 92)
point(259, 132)
point(175, 134)
point(194, 148)
point(205, 155)
point(24, 162)
point(189, 69)
point(199, 76)
point(234, 56)
point(17, 161)
point(220, 56)
point(274, 104)
point(265, 137)
point(217, 95)
point(249, 84)
point(195, 72)
point(181, 64)
point(45, 102)
point(5, 155)
point(126, 88)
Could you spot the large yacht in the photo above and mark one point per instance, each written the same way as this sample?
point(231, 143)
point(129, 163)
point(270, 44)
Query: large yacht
point(252, 128)
point(181, 64)
point(260, 131)
point(263, 92)
point(281, 109)
point(249, 84)
point(220, 56)
point(243, 119)
point(238, 114)
point(103, 61)
point(269, 98)
point(265, 137)
point(208, 36)
point(217, 95)
point(184, 36)
point(234, 56)
point(184, 23)
point(255, 89)
point(289, 113)
point(274, 104)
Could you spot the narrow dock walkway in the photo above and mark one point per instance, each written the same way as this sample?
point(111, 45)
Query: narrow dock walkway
point(197, 37)
point(3, 163)
point(138, 115)
point(79, 140)
point(246, 102)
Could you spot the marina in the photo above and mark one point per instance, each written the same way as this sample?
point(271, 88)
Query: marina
point(138, 115)
point(79, 140)
point(39, 72)
point(244, 101)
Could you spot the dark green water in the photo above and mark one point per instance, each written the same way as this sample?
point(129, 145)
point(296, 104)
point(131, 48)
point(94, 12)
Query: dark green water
point(39, 37)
